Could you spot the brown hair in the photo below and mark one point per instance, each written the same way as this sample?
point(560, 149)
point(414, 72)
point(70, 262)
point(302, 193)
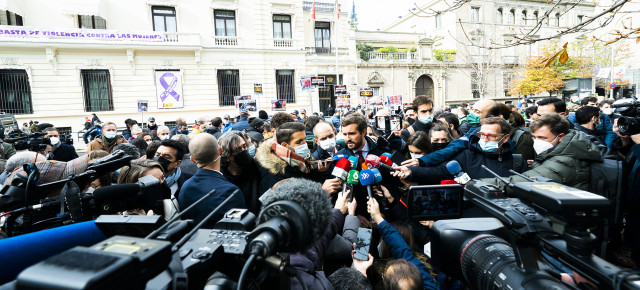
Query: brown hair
point(505, 128)
point(557, 124)
point(355, 118)
point(131, 174)
point(402, 272)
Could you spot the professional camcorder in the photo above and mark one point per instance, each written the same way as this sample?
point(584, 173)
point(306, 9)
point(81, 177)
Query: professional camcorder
point(502, 252)
point(629, 123)
point(32, 142)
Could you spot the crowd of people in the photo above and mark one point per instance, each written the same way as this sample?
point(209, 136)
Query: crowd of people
point(258, 153)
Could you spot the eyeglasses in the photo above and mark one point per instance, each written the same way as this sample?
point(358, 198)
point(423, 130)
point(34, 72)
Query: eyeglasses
point(491, 137)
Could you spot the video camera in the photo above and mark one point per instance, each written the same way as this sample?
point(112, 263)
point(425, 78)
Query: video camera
point(168, 258)
point(502, 252)
point(32, 142)
point(629, 123)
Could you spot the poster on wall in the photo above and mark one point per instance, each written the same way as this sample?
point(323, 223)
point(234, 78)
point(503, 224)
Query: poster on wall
point(237, 99)
point(305, 83)
point(278, 105)
point(257, 89)
point(343, 101)
point(143, 106)
point(169, 89)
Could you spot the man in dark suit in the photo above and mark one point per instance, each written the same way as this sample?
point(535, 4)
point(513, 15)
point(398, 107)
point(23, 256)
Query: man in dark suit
point(206, 153)
point(170, 155)
point(59, 151)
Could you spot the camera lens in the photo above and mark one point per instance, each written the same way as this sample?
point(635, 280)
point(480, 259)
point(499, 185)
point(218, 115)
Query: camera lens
point(482, 259)
point(629, 125)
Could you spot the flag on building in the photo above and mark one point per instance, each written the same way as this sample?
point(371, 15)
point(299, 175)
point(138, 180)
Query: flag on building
point(337, 10)
point(313, 11)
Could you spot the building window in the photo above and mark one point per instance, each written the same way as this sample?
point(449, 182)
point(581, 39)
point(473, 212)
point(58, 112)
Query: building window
point(507, 77)
point(10, 18)
point(499, 16)
point(580, 18)
point(474, 85)
point(228, 86)
point(323, 37)
point(282, 26)
point(285, 85)
point(225, 22)
point(91, 22)
point(475, 14)
point(438, 20)
point(97, 90)
point(164, 19)
point(15, 93)
point(376, 91)
point(524, 17)
point(512, 16)
point(557, 20)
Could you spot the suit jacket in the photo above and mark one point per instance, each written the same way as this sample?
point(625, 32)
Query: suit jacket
point(64, 153)
point(200, 184)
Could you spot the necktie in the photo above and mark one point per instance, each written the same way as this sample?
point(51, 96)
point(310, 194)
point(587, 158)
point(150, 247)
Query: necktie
point(360, 158)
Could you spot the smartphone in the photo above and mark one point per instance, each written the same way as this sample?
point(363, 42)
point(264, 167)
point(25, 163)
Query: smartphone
point(398, 158)
point(363, 243)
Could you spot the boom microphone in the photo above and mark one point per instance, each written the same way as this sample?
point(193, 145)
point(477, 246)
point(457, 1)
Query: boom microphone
point(459, 176)
point(290, 221)
point(145, 193)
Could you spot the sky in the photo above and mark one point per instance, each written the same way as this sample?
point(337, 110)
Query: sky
point(376, 14)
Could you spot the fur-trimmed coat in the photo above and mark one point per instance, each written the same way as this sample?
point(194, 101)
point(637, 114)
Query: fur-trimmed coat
point(272, 168)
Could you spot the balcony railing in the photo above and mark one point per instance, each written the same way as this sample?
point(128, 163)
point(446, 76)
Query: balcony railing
point(326, 50)
point(181, 38)
point(226, 40)
point(392, 56)
point(282, 42)
point(320, 6)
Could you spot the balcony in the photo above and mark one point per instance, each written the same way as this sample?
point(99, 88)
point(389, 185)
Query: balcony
point(375, 56)
point(320, 6)
point(226, 40)
point(326, 50)
point(179, 38)
point(510, 59)
point(282, 42)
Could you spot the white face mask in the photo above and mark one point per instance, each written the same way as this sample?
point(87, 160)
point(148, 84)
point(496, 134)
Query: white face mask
point(607, 111)
point(54, 140)
point(148, 142)
point(415, 156)
point(110, 134)
point(164, 137)
point(541, 146)
point(302, 150)
point(328, 144)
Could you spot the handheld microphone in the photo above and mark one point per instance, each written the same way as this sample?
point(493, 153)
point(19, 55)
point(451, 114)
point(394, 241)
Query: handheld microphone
point(367, 179)
point(340, 156)
point(386, 154)
point(386, 162)
point(353, 179)
point(372, 161)
point(459, 176)
point(290, 221)
point(341, 169)
point(354, 162)
point(447, 181)
point(377, 176)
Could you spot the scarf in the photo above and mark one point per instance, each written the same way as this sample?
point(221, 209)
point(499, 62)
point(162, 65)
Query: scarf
point(290, 157)
point(107, 142)
point(173, 178)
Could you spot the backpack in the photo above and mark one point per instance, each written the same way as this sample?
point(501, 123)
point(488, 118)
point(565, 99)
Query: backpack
point(607, 181)
point(516, 136)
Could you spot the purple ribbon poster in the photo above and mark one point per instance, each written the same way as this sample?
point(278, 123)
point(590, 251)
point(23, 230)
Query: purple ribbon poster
point(169, 89)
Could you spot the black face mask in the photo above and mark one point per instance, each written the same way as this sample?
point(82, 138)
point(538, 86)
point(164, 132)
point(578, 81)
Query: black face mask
point(163, 162)
point(243, 159)
point(438, 146)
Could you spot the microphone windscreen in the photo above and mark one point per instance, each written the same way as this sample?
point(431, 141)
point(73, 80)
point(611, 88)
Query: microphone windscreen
point(20, 252)
point(340, 156)
point(385, 160)
point(112, 193)
point(377, 176)
point(354, 161)
point(310, 196)
point(344, 164)
point(386, 154)
point(454, 167)
point(341, 169)
point(447, 181)
point(366, 177)
point(354, 177)
point(372, 161)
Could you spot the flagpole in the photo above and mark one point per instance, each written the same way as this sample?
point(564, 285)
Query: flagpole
point(337, 8)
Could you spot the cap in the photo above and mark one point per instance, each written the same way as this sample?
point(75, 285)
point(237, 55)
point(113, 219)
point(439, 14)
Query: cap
point(152, 119)
point(304, 111)
point(256, 123)
point(244, 112)
point(226, 116)
point(295, 112)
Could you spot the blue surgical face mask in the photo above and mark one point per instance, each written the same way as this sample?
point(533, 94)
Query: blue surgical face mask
point(302, 150)
point(185, 132)
point(252, 150)
point(425, 119)
point(110, 134)
point(490, 146)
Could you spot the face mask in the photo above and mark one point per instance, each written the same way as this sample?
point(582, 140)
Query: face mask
point(473, 119)
point(164, 162)
point(608, 111)
point(489, 146)
point(54, 140)
point(110, 134)
point(243, 159)
point(252, 150)
point(541, 146)
point(148, 142)
point(164, 137)
point(415, 156)
point(425, 119)
point(438, 146)
point(328, 144)
point(184, 132)
point(302, 150)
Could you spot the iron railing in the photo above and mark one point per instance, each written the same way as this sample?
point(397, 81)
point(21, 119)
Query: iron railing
point(15, 92)
point(228, 86)
point(97, 90)
point(285, 85)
